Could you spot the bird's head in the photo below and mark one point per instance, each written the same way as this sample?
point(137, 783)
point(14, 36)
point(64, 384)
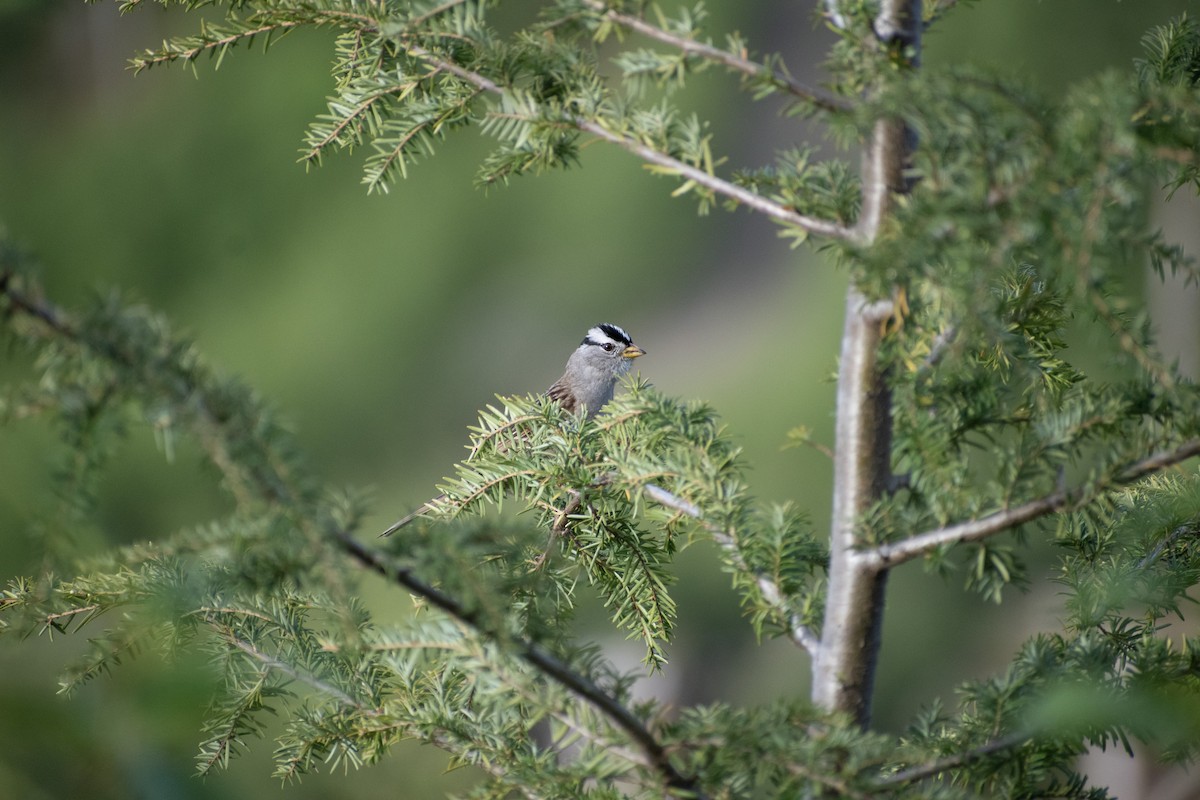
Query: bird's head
point(608, 348)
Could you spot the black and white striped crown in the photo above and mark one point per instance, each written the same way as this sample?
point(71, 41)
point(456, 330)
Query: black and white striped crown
point(607, 333)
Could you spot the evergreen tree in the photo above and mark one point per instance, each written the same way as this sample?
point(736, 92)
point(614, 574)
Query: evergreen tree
point(985, 229)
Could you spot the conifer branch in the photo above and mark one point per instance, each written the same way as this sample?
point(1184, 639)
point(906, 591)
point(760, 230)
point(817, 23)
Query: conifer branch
point(188, 54)
point(938, 766)
point(733, 61)
point(798, 632)
point(287, 669)
point(738, 194)
point(245, 483)
point(538, 657)
point(699, 177)
point(720, 186)
point(406, 74)
point(352, 118)
point(891, 554)
point(34, 308)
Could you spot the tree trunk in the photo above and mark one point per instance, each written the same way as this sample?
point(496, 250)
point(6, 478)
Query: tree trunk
point(844, 669)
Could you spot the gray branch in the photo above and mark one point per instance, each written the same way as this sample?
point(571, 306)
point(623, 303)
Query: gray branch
point(798, 632)
point(780, 78)
point(889, 555)
point(843, 673)
point(720, 186)
point(739, 194)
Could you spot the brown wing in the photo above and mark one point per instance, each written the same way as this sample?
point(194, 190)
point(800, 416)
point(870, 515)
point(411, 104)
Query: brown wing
point(562, 395)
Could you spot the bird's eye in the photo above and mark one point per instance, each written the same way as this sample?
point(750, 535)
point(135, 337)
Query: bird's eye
point(608, 347)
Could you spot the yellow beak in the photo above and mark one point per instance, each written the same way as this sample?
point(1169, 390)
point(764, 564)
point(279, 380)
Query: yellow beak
point(632, 351)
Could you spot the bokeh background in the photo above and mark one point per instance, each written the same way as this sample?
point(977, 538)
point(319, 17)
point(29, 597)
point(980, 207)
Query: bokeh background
point(378, 325)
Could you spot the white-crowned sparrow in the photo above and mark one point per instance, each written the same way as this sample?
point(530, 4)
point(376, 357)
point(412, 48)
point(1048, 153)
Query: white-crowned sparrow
point(605, 354)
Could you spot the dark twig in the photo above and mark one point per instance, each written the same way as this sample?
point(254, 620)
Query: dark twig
point(537, 656)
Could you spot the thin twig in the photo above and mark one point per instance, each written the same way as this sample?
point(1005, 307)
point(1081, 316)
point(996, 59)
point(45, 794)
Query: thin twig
point(433, 12)
point(563, 516)
point(33, 308)
point(738, 194)
point(287, 669)
point(193, 53)
point(52, 618)
point(1161, 547)
point(738, 63)
point(400, 90)
point(891, 554)
point(938, 766)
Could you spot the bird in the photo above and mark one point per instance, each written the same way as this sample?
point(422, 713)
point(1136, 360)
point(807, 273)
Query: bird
point(604, 356)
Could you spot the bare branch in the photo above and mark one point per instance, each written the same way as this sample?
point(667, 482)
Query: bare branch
point(1158, 461)
point(738, 63)
point(1150, 558)
point(797, 630)
point(33, 307)
point(888, 555)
